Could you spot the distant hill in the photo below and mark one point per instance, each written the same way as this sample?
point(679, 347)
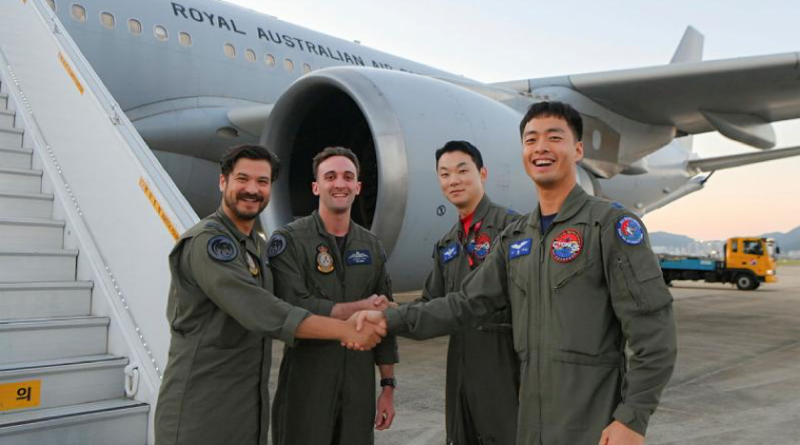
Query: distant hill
point(665, 242)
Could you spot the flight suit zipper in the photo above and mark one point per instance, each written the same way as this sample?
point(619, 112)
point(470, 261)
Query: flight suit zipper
point(539, 319)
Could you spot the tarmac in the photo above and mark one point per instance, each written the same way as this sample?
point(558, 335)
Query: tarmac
point(737, 379)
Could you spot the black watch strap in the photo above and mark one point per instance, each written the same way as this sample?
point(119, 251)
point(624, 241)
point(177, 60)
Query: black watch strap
point(391, 381)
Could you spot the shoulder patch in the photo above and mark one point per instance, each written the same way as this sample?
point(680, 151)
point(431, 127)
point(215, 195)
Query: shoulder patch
point(618, 205)
point(214, 225)
point(222, 248)
point(277, 244)
point(512, 212)
point(630, 230)
point(520, 248)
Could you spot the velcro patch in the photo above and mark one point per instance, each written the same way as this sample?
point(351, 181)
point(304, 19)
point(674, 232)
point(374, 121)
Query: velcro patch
point(222, 248)
point(277, 244)
point(450, 252)
point(566, 246)
point(358, 257)
point(520, 248)
point(630, 231)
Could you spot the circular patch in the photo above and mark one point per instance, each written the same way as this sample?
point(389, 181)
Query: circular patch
point(482, 245)
point(566, 246)
point(222, 248)
point(277, 244)
point(630, 231)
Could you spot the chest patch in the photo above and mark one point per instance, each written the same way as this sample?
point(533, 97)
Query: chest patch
point(222, 248)
point(566, 246)
point(630, 231)
point(450, 252)
point(520, 248)
point(482, 245)
point(358, 257)
point(324, 259)
point(277, 244)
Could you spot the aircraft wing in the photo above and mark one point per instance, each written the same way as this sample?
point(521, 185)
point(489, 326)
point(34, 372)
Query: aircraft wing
point(723, 162)
point(737, 97)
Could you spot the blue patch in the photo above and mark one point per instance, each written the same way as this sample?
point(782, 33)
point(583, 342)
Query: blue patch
point(520, 248)
point(512, 212)
point(222, 248)
point(358, 257)
point(450, 252)
point(618, 205)
point(630, 231)
point(277, 244)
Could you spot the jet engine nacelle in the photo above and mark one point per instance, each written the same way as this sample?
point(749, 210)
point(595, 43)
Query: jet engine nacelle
point(394, 122)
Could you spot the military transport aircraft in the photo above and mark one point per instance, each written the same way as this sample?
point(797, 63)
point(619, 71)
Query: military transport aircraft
point(196, 76)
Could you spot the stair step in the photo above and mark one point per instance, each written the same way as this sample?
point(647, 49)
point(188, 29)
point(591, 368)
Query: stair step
point(26, 205)
point(40, 300)
point(20, 180)
point(31, 233)
point(37, 265)
point(69, 381)
point(7, 118)
point(11, 137)
point(117, 422)
point(50, 338)
point(15, 157)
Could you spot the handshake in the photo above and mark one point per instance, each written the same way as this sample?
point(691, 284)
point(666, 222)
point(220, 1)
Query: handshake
point(367, 325)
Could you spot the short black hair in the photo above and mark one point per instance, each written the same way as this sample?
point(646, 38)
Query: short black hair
point(554, 109)
point(248, 151)
point(330, 152)
point(464, 147)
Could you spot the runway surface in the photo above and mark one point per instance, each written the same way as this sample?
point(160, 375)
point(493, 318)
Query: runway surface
point(737, 379)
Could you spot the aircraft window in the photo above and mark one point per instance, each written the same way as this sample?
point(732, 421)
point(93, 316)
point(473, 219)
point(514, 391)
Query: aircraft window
point(250, 55)
point(79, 13)
point(306, 68)
point(107, 20)
point(52, 4)
point(230, 50)
point(185, 38)
point(269, 59)
point(161, 33)
point(135, 27)
point(288, 64)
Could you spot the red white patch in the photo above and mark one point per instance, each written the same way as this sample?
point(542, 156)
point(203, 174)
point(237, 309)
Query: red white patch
point(482, 245)
point(566, 246)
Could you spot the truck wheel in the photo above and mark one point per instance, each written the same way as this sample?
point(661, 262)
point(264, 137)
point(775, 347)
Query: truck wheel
point(745, 282)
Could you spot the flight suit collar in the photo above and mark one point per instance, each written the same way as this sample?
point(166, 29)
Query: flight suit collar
point(571, 206)
point(321, 226)
point(249, 241)
point(457, 232)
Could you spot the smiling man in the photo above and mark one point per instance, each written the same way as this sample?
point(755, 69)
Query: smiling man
point(331, 266)
point(582, 282)
point(223, 316)
point(482, 367)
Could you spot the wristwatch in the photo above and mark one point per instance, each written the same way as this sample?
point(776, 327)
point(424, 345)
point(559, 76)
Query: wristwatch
point(391, 381)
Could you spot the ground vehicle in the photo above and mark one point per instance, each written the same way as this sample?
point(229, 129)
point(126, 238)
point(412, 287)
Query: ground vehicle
point(747, 262)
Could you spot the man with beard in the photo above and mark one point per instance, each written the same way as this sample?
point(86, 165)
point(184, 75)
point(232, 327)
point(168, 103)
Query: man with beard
point(482, 367)
point(223, 317)
point(329, 265)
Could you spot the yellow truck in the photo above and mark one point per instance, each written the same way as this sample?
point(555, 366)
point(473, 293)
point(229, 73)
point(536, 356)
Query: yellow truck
point(748, 262)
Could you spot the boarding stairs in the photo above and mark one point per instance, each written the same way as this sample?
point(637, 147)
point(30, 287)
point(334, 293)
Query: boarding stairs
point(54, 355)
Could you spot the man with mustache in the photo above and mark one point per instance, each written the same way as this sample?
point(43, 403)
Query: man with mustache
point(223, 317)
point(329, 265)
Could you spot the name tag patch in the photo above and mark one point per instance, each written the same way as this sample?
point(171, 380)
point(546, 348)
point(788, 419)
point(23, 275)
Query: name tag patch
point(520, 248)
point(358, 257)
point(450, 252)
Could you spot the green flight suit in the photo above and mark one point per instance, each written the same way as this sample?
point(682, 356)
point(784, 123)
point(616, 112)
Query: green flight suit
point(482, 367)
point(326, 393)
point(577, 294)
point(223, 317)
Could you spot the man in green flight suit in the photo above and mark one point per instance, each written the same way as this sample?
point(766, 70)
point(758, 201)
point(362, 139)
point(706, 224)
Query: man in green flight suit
point(223, 317)
point(329, 265)
point(581, 281)
point(482, 367)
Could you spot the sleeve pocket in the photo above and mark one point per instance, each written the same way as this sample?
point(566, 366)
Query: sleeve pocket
point(644, 282)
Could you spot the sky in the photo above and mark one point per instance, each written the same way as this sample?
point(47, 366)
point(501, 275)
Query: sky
point(513, 39)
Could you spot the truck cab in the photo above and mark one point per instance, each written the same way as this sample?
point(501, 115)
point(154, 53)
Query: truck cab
point(756, 255)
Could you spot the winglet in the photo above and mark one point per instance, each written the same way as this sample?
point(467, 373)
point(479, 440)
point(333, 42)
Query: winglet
point(691, 47)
